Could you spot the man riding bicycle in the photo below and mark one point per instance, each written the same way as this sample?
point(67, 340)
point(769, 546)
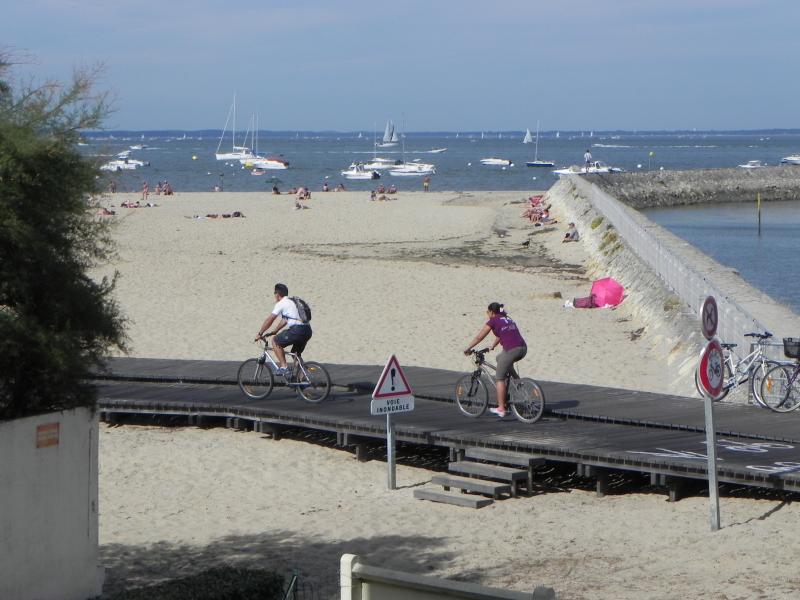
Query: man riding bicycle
point(514, 350)
point(297, 334)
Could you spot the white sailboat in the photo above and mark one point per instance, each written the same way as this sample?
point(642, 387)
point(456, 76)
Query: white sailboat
point(256, 160)
point(536, 162)
point(390, 138)
point(528, 139)
point(237, 152)
point(411, 169)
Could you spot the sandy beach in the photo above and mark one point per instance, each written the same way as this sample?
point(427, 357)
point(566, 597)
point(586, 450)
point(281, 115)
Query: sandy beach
point(411, 277)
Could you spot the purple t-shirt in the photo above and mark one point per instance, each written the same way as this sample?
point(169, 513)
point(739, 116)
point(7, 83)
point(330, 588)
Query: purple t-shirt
point(507, 331)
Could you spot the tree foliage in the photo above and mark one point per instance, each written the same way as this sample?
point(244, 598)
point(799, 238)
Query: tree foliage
point(56, 322)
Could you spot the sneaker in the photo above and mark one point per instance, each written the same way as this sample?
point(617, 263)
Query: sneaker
point(284, 371)
point(498, 412)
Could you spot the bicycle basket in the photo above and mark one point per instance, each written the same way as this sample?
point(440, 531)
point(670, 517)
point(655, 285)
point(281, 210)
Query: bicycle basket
point(791, 347)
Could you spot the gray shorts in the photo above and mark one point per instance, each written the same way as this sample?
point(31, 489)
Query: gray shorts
point(506, 360)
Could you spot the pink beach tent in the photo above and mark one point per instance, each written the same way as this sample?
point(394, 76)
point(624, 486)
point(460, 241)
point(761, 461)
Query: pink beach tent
point(607, 292)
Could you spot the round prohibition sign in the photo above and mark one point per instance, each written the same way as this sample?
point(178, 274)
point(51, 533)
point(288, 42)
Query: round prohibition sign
point(709, 317)
point(712, 369)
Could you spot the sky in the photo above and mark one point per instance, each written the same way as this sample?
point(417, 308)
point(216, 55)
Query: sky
point(430, 65)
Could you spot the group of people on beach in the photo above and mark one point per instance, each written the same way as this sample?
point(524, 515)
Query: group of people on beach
point(538, 213)
point(161, 188)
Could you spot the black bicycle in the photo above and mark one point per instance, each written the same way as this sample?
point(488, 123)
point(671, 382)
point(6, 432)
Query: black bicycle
point(523, 394)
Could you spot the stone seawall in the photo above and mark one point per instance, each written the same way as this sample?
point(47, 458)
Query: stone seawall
point(672, 328)
point(667, 279)
point(675, 188)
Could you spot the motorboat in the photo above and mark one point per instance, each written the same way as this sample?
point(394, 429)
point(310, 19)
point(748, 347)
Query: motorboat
point(502, 162)
point(266, 162)
point(594, 167)
point(379, 163)
point(794, 159)
point(123, 162)
point(437, 150)
point(412, 169)
point(357, 171)
point(752, 164)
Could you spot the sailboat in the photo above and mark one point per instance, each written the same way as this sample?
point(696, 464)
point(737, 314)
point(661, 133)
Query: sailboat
point(536, 162)
point(411, 169)
point(390, 138)
point(237, 152)
point(528, 139)
point(256, 161)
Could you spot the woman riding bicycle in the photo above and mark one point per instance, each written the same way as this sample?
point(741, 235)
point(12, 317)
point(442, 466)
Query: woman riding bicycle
point(514, 349)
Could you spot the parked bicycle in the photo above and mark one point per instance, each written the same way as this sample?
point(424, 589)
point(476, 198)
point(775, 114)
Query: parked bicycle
point(752, 368)
point(781, 386)
point(472, 392)
point(256, 376)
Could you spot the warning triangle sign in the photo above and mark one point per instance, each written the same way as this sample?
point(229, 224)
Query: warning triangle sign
point(392, 382)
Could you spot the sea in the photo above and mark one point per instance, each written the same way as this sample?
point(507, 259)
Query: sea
point(728, 232)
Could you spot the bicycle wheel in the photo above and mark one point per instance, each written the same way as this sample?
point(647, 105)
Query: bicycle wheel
point(313, 384)
point(255, 379)
point(472, 396)
point(777, 388)
point(757, 374)
point(527, 400)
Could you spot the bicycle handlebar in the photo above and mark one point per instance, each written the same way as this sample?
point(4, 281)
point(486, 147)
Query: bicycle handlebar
point(762, 336)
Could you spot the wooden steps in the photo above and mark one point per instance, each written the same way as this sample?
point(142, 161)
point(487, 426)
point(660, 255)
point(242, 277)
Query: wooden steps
point(498, 472)
point(478, 486)
point(482, 477)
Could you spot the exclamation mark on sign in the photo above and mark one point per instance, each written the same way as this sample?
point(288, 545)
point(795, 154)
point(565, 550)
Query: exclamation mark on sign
point(392, 372)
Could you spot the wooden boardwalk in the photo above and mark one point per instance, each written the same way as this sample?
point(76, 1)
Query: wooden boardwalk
point(598, 429)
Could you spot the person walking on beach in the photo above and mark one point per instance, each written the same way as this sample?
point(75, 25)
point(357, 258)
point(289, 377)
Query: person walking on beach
point(145, 191)
point(426, 183)
point(587, 160)
point(514, 350)
point(297, 334)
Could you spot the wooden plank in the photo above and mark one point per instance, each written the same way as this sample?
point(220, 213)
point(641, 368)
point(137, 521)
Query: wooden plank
point(471, 485)
point(455, 499)
point(484, 470)
point(504, 457)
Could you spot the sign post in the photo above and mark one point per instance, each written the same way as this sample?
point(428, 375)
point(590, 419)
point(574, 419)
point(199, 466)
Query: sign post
point(392, 394)
point(711, 376)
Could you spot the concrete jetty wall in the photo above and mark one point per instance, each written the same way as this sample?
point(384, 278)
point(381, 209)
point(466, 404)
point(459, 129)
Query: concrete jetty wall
point(674, 188)
point(667, 278)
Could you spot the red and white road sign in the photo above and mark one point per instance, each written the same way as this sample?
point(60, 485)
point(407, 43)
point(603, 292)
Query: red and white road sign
point(709, 317)
point(711, 372)
point(392, 382)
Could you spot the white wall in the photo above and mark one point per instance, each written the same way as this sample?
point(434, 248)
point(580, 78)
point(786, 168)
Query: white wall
point(48, 507)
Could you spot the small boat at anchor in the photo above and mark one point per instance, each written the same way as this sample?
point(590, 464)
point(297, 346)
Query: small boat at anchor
point(594, 167)
point(494, 161)
point(358, 172)
point(412, 169)
point(752, 164)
